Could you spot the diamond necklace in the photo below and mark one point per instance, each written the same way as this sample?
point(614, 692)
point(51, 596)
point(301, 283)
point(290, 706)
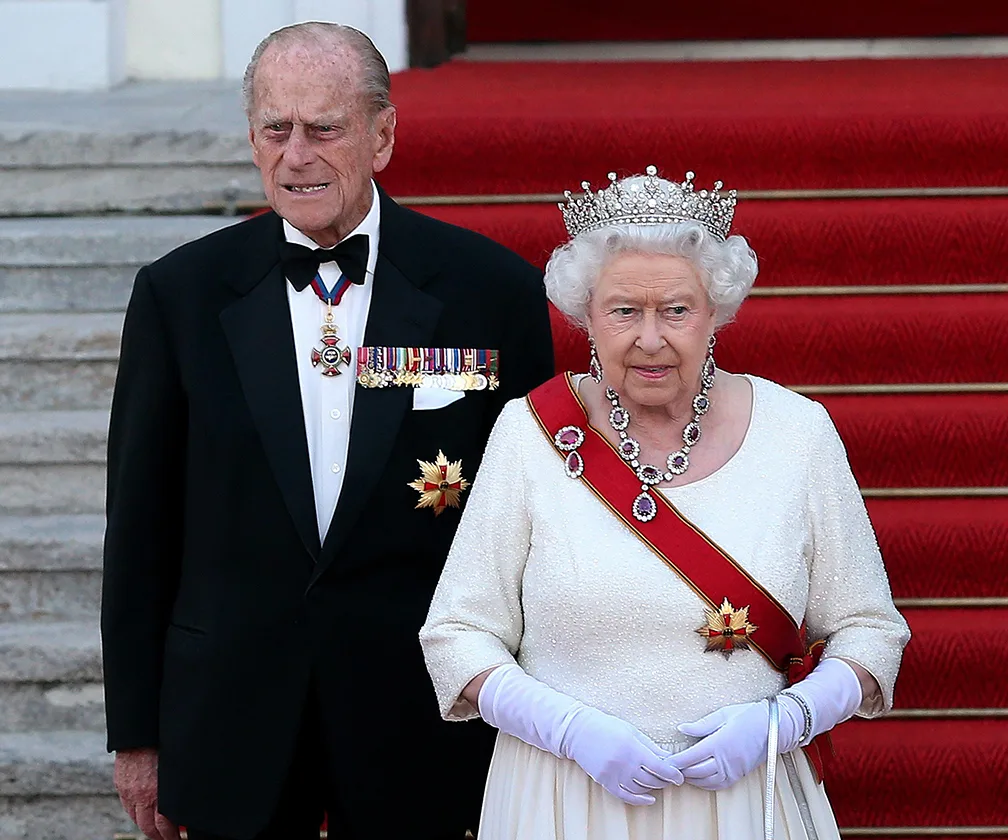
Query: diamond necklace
point(644, 507)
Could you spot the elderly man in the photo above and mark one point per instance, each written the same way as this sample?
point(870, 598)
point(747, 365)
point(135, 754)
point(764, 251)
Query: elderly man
point(302, 401)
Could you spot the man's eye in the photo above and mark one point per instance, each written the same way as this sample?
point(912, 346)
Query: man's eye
point(275, 127)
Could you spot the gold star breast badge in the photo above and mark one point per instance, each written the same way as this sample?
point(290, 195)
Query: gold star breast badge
point(440, 484)
point(727, 629)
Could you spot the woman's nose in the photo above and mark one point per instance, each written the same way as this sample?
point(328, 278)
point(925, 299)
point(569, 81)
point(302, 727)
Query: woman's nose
point(650, 339)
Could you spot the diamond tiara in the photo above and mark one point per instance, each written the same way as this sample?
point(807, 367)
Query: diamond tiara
point(649, 200)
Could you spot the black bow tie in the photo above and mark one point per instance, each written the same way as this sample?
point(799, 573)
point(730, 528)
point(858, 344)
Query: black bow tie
point(301, 264)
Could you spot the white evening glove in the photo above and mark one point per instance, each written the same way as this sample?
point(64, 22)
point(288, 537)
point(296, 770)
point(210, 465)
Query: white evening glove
point(734, 738)
point(615, 754)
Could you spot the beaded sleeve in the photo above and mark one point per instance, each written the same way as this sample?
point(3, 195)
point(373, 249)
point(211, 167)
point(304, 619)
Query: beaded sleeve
point(850, 603)
point(475, 618)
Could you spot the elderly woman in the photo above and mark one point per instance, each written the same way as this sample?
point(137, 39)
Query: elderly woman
point(660, 558)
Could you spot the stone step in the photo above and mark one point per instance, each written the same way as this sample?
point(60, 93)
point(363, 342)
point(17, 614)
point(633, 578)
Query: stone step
point(93, 817)
point(50, 567)
point(51, 543)
point(49, 596)
point(59, 360)
point(33, 438)
point(50, 676)
point(67, 652)
point(136, 148)
point(52, 462)
point(85, 263)
point(178, 187)
point(53, 488)
point(58, 786)
point(37, 707)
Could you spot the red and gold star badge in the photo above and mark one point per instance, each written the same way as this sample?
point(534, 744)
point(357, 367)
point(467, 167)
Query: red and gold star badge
point(440, 484)
point(727, 629)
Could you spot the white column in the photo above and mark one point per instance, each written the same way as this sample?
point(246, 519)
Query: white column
point(94, 44)
point(173, 39)
point(59, 44)
point(244, 25)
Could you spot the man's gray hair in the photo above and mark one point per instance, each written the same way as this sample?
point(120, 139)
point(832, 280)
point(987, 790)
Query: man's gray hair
point(727, 268)
point(375, 81)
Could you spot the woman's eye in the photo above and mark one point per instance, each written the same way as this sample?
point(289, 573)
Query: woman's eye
point(624, 310)
point(678, 310)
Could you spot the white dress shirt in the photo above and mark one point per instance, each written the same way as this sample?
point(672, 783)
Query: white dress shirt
point(327, 401)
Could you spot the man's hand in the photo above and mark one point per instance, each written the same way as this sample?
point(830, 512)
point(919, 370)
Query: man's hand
point(136, 781)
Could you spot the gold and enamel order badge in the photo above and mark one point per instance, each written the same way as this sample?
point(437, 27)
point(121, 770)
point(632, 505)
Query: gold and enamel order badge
point(454, 368)
point(727, 629)
point(330, 355)
point(440, 484)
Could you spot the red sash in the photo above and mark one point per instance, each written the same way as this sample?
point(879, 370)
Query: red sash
point(698, 560)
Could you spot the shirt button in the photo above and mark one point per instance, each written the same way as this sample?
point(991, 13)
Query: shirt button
point(335, 414)
point(335, 468)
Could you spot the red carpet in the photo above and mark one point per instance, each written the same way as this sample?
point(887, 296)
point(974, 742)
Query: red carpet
point(924, 441)
point(475, 128)
point(957, 645)
point(921, 772)
point(658, 20)
point(847, 242)
point(469, 129)
point(944, 548)
point(872, 338)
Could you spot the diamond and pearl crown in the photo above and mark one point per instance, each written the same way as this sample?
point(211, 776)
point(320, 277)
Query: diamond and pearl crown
point(649, 200)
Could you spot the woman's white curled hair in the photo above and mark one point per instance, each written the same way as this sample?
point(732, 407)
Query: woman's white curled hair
point(727, 268)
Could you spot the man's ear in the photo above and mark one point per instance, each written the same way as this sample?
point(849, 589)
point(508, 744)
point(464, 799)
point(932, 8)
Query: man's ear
point(385, 126)
point(252, 143)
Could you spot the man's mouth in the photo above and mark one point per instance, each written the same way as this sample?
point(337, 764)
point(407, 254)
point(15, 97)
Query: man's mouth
point(305, 189)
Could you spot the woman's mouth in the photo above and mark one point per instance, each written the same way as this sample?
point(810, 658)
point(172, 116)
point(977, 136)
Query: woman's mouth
point(652, 371)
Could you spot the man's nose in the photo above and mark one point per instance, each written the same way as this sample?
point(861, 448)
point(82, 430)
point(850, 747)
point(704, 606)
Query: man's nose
point(299, 150)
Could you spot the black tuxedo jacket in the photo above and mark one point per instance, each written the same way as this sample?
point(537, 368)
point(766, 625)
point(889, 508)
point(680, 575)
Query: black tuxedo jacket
point(221, 611)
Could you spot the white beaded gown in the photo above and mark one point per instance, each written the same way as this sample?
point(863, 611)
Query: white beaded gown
point(542, 574)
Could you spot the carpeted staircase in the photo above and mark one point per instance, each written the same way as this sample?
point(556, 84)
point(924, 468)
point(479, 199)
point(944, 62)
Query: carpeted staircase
point(660, 20)
point(888, 305)
point(541, 127)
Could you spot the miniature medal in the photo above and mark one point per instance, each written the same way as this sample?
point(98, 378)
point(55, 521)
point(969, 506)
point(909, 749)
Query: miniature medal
point(451, 368)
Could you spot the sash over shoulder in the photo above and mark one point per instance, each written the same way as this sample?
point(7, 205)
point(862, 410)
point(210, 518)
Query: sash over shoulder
point(760, 621)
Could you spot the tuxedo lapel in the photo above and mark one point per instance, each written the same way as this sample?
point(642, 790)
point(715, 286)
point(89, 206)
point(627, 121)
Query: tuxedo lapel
point(401, 315)
point(261, 338)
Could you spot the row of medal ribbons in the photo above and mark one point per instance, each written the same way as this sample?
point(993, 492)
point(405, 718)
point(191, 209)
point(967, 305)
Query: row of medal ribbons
point(452, 368)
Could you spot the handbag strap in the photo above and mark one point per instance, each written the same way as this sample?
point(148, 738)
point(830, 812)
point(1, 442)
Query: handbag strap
point(771, 769)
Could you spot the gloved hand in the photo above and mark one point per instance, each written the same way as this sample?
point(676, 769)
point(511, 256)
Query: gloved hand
point(734, 738)
point(612, 752)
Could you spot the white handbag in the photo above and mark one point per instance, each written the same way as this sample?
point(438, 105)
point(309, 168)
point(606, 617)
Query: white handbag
point(773, 733)
point(771, 769)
